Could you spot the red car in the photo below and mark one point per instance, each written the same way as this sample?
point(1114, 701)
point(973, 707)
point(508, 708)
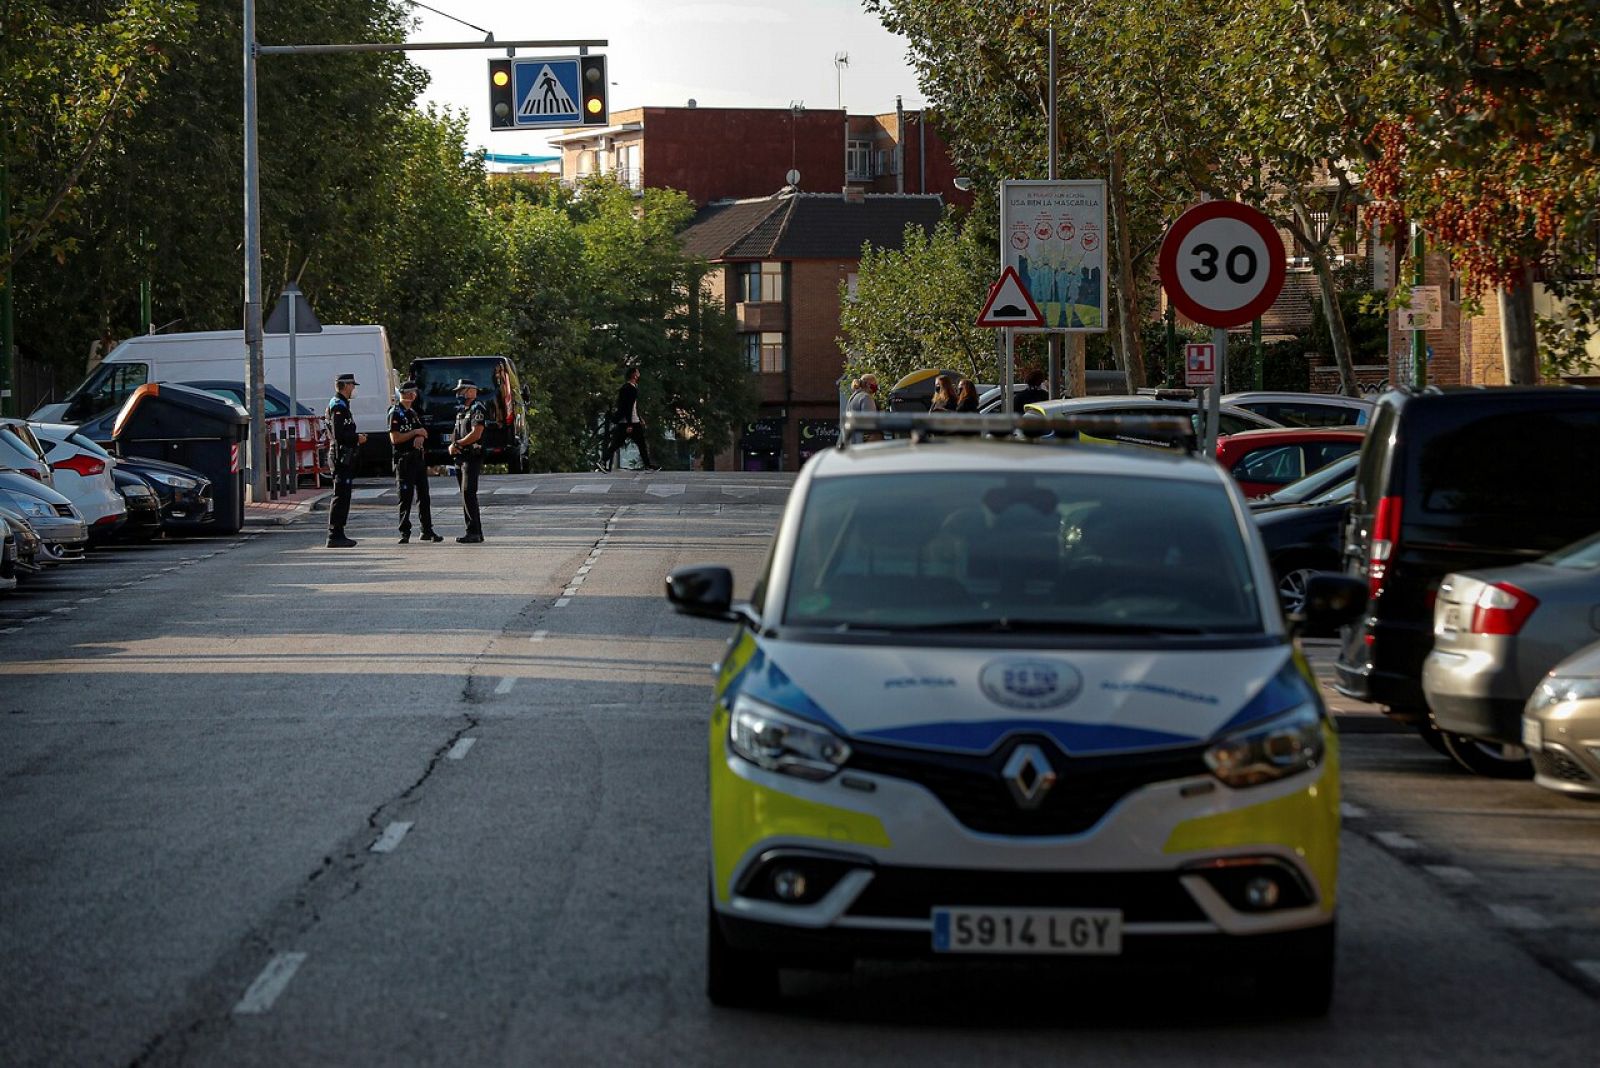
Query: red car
point(1262, 461)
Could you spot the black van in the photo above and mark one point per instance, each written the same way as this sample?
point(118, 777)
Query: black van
point(1451, 480)
point(505, 438)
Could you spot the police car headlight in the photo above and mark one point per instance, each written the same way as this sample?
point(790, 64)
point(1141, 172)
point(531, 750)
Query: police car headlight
point(780, 742)
point(1282, 746)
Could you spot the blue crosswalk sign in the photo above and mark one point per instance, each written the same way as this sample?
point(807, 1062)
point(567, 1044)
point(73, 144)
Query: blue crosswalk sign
point(547, 92)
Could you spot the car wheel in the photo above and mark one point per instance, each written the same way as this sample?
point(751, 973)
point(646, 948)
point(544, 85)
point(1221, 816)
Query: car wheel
point(1292, 589)
point(736, 979)
point(1488, 758)
point(1299, 982)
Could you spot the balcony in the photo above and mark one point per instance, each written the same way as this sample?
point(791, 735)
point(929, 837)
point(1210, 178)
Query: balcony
point(762, 315)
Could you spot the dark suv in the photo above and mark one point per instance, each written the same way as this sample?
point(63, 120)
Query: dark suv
point(1451, 480)
point(505, 437)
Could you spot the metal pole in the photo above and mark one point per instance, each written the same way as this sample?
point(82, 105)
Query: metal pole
point(144, 290)
point(1419, 338)
point(1053, 362)
point(294, 383)
point(255, 363)
point(9, 401)
point(1219, 338)
point(416, 46)
point(1258, 355)
point(1010, 370)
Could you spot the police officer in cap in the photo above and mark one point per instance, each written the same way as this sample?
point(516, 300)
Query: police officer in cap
point(342, 428)
point(409, 438)
point(466, 446)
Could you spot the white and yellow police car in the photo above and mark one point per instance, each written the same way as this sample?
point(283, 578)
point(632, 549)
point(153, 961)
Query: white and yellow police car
point(1003, 697)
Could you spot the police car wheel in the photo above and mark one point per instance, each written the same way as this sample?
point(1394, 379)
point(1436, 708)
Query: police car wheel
point(1307, 989)
point(736, 979)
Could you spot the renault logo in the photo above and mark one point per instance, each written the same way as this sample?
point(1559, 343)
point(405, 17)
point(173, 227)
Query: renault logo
point(1028, 776)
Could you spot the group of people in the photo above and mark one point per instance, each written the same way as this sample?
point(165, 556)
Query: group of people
point(960, 395)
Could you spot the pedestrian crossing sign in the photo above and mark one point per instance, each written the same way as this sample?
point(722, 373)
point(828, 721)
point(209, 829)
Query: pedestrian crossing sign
point(547, 92)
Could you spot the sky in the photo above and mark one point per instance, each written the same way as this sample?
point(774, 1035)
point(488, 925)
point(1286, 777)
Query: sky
point(721, 53)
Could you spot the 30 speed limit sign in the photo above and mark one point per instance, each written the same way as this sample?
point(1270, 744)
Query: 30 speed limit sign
point(1222, 264)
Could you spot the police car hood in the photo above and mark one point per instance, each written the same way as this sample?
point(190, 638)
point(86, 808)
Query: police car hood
point(967, 700)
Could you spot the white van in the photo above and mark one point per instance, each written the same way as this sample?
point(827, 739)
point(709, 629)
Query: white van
point(220, 355)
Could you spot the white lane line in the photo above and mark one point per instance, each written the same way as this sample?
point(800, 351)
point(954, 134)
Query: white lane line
point(368, 494)
point(504, 491)
point(36, 619)
point(89, 600)
point(538, 636)
point(269, 984)
point(462, 747)
point(60, 611)
point(10, 630)
point(562, 602)
point(665, 489)
point(505, 684)
point(1449, 873)
point(1591, 968)
point(391, 837)
point(1352, 812)
point(1395, 840)
point(585, 569)
point(1520, 917)
point(591, 487)
point(167, 569)
point(568, 594)
point(739, 491)
point(147, 578)
point(577, 580)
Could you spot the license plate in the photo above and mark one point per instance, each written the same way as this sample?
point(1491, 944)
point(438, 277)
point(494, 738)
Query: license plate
point(445, 437)
point(1070, 932)
point(1532, 733)
point(211, 506)
point(1452, 618)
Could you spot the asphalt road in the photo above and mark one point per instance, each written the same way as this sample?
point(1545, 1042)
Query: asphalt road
point(444, 804)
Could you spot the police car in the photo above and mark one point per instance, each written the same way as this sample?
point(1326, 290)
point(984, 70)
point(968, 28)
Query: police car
point(1006, 697)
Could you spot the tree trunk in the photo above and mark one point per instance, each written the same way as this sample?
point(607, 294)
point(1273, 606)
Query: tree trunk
point(1519, 345)
point(1132, 358)
point(1337, 329)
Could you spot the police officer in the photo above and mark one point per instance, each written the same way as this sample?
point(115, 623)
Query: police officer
point(342, 429)
point(409, 438)
point(466, 446)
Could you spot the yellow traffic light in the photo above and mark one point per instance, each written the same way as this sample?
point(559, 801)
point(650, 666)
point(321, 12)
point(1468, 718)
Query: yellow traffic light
point(596, 105)
point(501, 78)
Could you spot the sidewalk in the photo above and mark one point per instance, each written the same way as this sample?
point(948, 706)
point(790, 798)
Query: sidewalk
point(286, 509)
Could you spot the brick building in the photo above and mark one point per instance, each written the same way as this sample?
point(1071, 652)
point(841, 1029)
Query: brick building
point(731, 153)
point(780, 263)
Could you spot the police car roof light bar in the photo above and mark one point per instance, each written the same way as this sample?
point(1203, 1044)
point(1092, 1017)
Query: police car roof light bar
point(1165, 431)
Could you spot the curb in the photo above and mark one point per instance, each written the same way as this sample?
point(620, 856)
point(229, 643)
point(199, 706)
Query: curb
point(278, 515)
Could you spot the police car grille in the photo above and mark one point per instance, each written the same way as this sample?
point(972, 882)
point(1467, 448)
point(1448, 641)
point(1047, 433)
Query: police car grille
point(1559, 766)
point(1143, 897)
point(975, 792)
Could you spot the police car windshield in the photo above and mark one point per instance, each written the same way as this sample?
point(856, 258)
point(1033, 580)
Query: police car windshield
point(437, 382)
point(1080, 553)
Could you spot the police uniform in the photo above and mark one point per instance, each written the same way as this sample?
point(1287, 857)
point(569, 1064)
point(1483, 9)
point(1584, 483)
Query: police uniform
point(342, 454)
point(469, 461)
point(411, 470)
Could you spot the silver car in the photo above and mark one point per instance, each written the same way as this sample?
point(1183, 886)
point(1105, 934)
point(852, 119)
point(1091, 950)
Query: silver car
point(1496, 633)
point(59, 525)
point(1561, 726)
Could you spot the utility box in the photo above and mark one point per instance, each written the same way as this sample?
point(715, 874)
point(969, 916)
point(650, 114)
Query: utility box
point(188, 426)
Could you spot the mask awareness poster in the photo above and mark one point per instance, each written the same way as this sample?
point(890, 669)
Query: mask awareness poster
point(1054, 234)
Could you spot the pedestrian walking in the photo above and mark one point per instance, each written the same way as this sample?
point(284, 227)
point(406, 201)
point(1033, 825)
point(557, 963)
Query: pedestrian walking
point(1034, 394)
point(344, 442)
point(465, 447)
point(409, 438)
point(944, 395)
point(862, 399)
point(628, 424)
point(967, 397)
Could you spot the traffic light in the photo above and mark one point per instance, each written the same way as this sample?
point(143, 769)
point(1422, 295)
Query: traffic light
point(502, 98)
point(592, 71)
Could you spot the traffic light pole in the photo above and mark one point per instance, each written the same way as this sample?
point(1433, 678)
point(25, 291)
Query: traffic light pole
point(255, 357)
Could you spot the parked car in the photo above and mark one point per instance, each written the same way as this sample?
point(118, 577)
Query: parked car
point(505, 436)
point(184, 493)
point(8, 558)
point(21, 451)
point(1304, 409)
point(30, 547)
point(1302, 540)
point(1495, 634)
point(1453, 480)
point(82, 472)
point(1265, 460)
point(1561, 726)
point(1313, 485)
point(99, 428)
point(144, 505)
point(1232, 420)
point(58, 523)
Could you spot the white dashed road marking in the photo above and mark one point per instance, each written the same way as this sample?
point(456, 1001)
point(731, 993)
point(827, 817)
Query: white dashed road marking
point(591, 487)
point(88, 600)
point(562, 602)
point(269, 984)
point(1519, 916)
point(505, 684)
point(367, 494)
point(577, 580)
point(461, 748)
point(739, 491)
point(504, 491)
point(1352, 812)
point(585, 569)
point(10, 630)
point(538, 636)
point(391, 837)
point(1448, 873)
point(665, 489)
point(1395, 840)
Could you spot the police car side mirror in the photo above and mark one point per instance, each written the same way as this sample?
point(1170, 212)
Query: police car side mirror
point(1332, 601)
point(706, 591)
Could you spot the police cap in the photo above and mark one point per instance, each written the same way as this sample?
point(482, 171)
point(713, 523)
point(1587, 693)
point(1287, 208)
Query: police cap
point(346, 380)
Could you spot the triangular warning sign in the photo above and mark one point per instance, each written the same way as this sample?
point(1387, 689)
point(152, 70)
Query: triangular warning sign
point(547, 96)
point(1009, 303)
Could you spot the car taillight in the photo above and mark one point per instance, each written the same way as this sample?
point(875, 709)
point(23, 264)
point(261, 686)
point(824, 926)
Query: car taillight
point(82, 464)
point(31, 473)
point(1385, 537)
point(1502, 609)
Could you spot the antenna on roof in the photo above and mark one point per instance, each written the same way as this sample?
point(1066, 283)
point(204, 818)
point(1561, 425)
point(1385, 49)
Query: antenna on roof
point(841, 60)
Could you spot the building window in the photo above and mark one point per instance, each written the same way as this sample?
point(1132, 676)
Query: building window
point(760, 282)
point(858, 160)
point(628, 171)
point(763, 352)
point(852, 286)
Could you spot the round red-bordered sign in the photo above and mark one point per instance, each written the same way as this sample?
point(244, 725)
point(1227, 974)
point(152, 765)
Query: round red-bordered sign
point(1222, 264)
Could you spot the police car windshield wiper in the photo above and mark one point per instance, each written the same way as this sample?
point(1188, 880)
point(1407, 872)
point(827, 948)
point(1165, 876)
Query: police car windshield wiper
point(1059, 626)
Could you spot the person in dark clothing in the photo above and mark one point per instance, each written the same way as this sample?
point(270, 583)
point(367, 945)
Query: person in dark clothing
point(409, 438)
point(466, 446)
point(966, 396)
point(1034, 394)
point(342, 429)
point(628, 425)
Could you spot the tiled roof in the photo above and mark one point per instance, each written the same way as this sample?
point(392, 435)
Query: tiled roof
point(803, 226)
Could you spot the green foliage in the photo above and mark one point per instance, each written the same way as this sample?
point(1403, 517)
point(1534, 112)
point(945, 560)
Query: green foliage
point(1367, 321)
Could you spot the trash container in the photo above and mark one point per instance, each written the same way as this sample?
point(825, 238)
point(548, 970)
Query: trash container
point(188, 426)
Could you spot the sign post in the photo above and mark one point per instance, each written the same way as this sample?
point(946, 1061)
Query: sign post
point(1222, 265)
point(1009, 306)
